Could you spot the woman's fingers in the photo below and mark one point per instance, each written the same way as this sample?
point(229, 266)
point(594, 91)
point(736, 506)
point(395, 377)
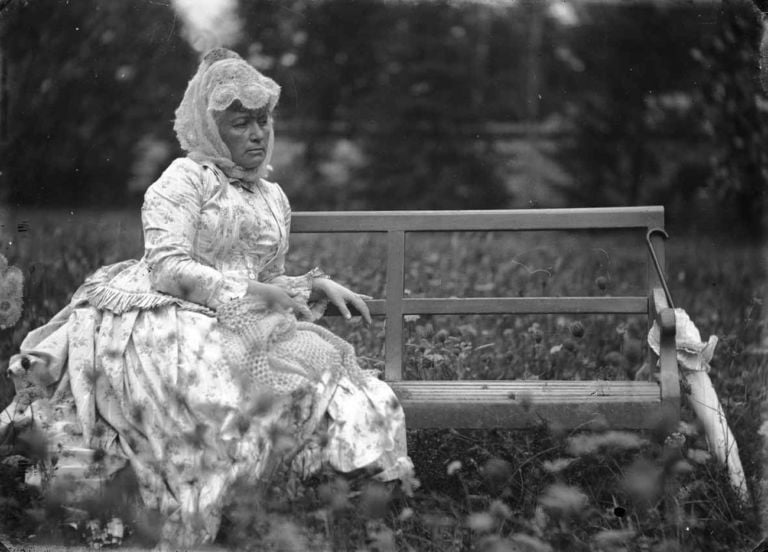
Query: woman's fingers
point(347, 297)
point(338, 299)
point(362, 308)
point(302, 311)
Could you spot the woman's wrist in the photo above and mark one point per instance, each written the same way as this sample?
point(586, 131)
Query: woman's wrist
point(316, 275)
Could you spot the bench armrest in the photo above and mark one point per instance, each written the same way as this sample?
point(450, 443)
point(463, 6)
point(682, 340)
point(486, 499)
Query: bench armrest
point(670, 375)
point(332, 310)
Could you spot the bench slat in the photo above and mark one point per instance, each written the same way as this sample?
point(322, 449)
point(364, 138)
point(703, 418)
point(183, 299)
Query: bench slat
point(527, 305)
point(512, 305)
point(538, 390)
point(510, 219)
point(393, 338)
point(478, 404)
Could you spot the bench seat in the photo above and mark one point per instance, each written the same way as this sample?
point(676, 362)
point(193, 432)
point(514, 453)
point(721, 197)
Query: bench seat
point(526, 403)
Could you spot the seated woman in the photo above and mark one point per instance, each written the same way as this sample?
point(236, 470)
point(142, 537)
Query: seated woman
point(196, 364)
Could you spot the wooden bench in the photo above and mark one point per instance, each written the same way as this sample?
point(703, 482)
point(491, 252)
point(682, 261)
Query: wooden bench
point(519, 403)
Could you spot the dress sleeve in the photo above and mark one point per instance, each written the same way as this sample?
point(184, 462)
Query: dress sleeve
point(170, 217)
point(298, 287)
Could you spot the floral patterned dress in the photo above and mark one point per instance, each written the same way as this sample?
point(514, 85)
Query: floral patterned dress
point(164, 364)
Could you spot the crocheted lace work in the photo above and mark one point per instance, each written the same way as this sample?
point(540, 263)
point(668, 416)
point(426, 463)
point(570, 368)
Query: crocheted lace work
point(271, 350)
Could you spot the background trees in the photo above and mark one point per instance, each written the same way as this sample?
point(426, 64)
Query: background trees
point(407, 105)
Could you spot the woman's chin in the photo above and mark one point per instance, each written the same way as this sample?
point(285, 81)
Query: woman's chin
point(251, 161)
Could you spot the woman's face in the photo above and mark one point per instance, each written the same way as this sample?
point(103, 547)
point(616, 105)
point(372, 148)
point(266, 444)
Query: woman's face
point(246, 133)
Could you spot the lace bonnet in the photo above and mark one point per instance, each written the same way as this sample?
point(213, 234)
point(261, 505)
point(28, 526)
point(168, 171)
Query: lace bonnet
point(222, 78)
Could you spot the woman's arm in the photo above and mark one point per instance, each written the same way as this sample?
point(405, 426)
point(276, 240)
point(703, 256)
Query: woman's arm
point(312, 283)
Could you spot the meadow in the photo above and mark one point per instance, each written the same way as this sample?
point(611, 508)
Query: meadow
point(535, 490)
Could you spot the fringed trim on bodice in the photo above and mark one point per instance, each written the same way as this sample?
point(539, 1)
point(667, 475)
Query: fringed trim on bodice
point(125, 286)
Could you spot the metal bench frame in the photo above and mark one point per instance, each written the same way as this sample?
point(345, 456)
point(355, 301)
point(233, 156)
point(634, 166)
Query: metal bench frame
point(518, 403)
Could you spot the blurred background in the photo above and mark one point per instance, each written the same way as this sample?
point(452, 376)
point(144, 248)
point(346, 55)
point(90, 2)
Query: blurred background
point(402, 104)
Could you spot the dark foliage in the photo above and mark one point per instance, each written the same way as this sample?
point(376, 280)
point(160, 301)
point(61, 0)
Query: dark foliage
point(735, 114)
point(417, 92)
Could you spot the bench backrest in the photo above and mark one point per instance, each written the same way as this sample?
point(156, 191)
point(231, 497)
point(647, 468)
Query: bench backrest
point(397, 224)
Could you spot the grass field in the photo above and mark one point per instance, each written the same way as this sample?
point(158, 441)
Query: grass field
point(535, 490)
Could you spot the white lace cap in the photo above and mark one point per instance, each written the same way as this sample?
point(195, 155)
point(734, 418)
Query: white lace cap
point(222, 78)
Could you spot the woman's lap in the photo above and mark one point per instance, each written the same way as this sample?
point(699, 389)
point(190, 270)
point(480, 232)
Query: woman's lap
point(162, 380)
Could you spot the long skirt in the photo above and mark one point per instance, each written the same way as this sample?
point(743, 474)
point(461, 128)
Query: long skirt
point(181, 398)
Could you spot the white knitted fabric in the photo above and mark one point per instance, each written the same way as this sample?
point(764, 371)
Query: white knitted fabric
point(269, 350)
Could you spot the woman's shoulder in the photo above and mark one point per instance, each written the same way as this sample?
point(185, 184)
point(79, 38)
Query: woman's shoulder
point(274, 189)
point(183, 174)
point(183, 167)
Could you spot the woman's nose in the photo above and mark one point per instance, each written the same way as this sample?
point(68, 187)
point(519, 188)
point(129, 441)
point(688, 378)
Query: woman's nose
point(257, 133)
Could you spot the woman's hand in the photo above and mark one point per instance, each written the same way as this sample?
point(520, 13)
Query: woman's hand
point(277, 299)
point(340, 296)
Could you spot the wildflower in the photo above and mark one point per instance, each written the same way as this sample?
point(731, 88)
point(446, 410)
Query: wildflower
point(557, 465)
point(481, 522)
point(675, 440)
point(11, 286)
point(453, 467)
point(286, 535)
point(614, 360)
point(681, 467)
point(688, 429)
point(643, 480)
point(585, 443)
point(612, 537)
point(563, 500)
point(536, 333)
point(406, 514)
point(577, 330)
point(115, 531)
point(380, 537)
point(409, 483)
point(500, 510)
point(763, 429)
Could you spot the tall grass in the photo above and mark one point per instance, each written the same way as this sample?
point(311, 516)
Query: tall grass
point(541, 489)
